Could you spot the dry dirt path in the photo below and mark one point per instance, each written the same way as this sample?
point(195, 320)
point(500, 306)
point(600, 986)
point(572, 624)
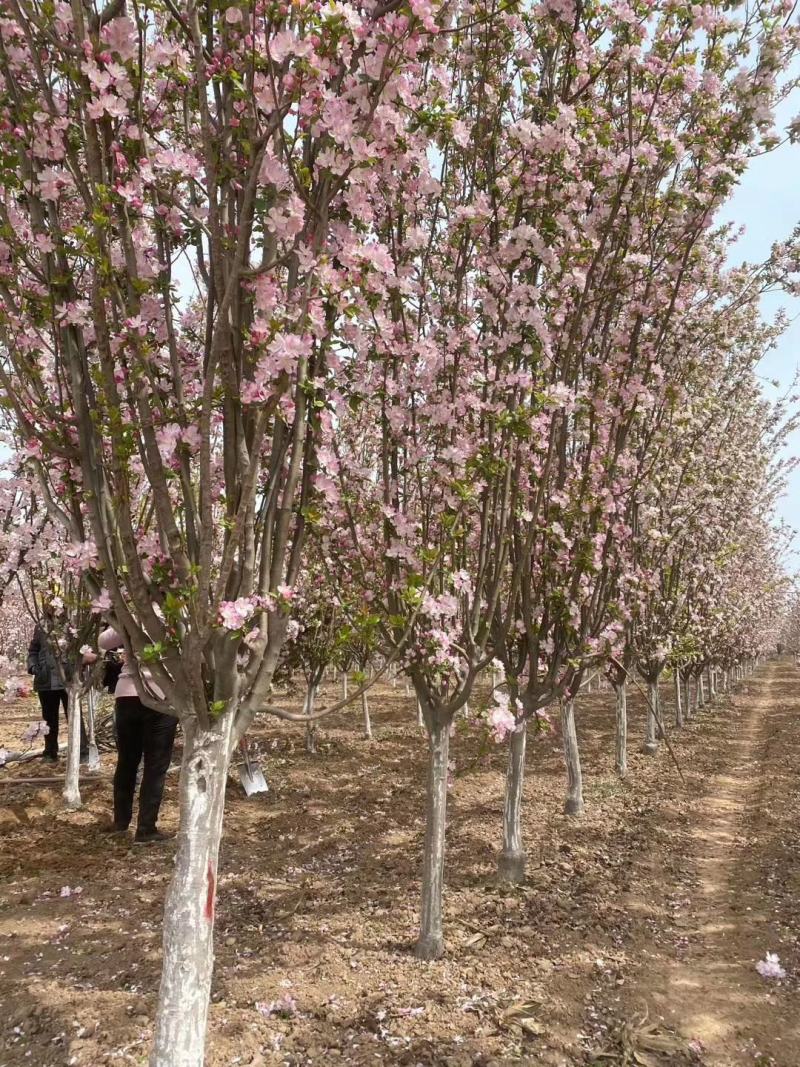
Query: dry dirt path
point(734, 888)
point(659, 901)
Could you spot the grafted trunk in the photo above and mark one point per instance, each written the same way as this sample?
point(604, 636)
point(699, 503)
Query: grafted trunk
point(430, 944)
point(573, 805)
point(511, 863)
point(72, 792)
point(367, 721)
point(621, 739)
point(188, 953)
point(651, 732)
point(678, 696)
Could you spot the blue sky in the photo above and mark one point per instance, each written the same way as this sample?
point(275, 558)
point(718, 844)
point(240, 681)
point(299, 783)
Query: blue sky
point(768, 206)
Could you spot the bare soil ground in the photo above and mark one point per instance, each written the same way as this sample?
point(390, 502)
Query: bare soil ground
point(633, 943)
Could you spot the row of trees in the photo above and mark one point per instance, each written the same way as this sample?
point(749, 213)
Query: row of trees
point(403, 323)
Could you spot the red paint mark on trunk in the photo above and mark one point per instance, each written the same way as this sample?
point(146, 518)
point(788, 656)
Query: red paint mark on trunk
point(210, 893)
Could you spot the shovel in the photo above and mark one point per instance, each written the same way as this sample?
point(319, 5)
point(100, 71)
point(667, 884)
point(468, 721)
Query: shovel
point(251, 776)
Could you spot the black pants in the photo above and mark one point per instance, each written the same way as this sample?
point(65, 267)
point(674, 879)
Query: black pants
point(141, 732)
point(51, 700)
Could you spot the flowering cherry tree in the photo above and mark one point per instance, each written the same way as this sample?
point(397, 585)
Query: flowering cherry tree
point(46, 581)
point(181, 202)
point(406, 275)
point(535, 271)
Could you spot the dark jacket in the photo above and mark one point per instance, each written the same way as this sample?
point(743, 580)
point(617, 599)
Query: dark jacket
point(42, 664)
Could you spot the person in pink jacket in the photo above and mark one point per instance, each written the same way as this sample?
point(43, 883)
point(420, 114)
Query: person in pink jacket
point(142, 733)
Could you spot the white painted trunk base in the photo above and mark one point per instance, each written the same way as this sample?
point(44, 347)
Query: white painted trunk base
point(678, 698)
point(621, 733)
point(367, 720)
point(650, 746)
point(573, 805)
point(72, 792)
point(184, 995)
point(511, 862)
point(430, 944)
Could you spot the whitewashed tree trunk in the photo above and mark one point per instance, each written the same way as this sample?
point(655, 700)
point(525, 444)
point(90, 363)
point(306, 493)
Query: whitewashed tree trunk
point(712, 682)
point(511, 863)
point(687, 695)
point(573, 805)
point(650, 746)
point(344, 685)
point(367, 721)
point(701, 692)
point(621, 738)
point(678, 698)
point(430, 944)
point(94, 752)
point(72, 792)
point(188, 952)
point(420, 719)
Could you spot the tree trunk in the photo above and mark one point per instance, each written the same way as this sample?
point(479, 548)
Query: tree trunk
point(344, 685)
point(182, 1013)
point(621, 747)
point(311, 726)
point(94, 752)
point(701, 693)
point(712, 683)
point(511, 863)
point(678, 703)
point(72, 792)
point(687, 694)
point(573, 805)
point(367, 722)
point(650, 746)
point(430, 944)
point(420, 719)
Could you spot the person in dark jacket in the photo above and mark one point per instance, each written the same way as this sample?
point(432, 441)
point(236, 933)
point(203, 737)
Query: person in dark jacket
point(48, 684)
point(144, 736)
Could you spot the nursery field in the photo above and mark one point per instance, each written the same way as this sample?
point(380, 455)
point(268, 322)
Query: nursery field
point(634, 941)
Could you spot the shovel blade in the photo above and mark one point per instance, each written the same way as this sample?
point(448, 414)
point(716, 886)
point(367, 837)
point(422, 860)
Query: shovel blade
point(253, 780)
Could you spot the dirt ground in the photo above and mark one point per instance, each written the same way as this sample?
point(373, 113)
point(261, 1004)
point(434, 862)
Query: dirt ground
point(634, 942)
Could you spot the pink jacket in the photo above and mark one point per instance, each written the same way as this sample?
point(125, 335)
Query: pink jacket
point(126, 687)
